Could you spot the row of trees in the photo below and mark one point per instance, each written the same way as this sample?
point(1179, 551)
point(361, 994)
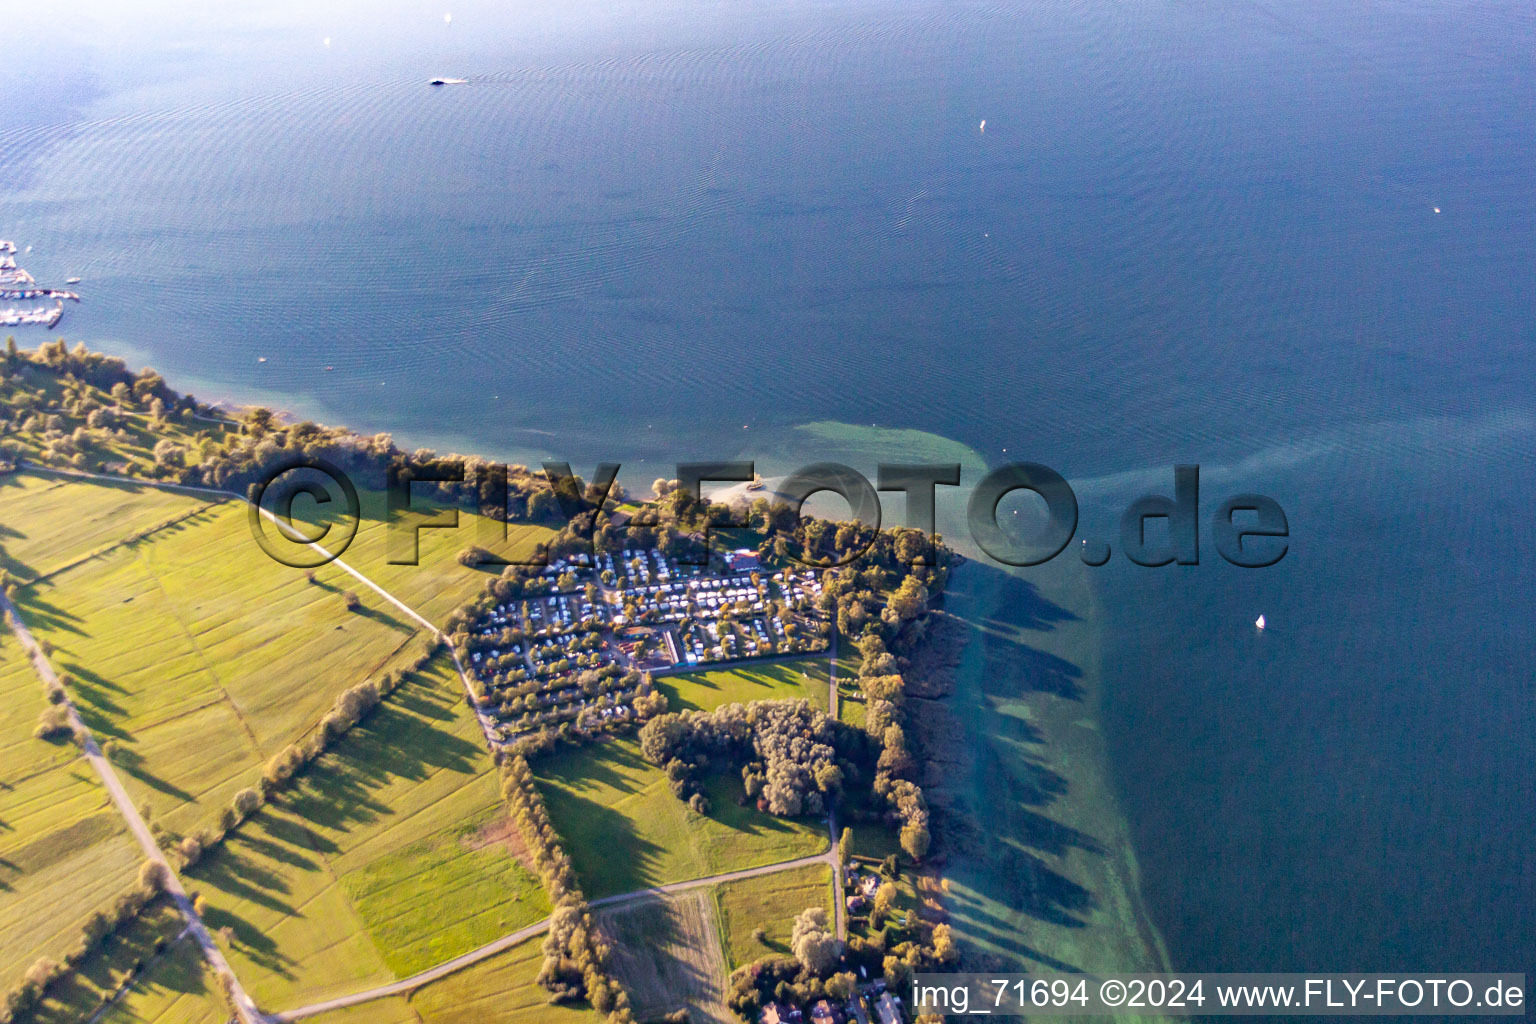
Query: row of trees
point(28, 994)
point(575, 957)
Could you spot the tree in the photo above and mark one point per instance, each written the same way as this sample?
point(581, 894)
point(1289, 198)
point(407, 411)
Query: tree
point(909, 599)
point(246, 802)
point(885, 898)
point(154, 876)
point(475, 555)
point(944, 948)
point(915, 839)
point(813, 944)
point(350, 599)
point(845, 847)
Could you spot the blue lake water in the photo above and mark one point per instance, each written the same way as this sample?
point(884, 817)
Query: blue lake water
point(664, 231)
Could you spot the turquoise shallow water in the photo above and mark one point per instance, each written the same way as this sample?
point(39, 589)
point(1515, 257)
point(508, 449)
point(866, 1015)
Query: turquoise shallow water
point(667, 231)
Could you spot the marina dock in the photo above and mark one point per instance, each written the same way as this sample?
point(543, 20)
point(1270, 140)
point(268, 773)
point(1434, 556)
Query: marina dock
point(16, 285)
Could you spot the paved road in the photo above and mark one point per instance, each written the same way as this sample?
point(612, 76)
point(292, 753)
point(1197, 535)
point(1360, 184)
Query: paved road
point(246, 1008)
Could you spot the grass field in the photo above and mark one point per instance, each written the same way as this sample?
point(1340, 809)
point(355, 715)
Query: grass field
point(787, 680)
point(625, 830)
point(666, 954)
point(502, 988)
point(391, 855)
point(64, 852)
point(49, 521)
point(769, 902)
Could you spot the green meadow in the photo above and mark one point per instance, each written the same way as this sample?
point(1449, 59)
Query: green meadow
point(770, 902)
point(49, 521)
point(390, 855)
point(624, 830)
point(784, 680)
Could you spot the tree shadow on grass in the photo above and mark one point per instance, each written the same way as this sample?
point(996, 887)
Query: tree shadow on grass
point(384, 618)
point(250, 940)
point(609, 854)
point(599, 765)
point(285, 843)
point(295, 833)
point(41, 614)
point(242, 878)
point(96, 679)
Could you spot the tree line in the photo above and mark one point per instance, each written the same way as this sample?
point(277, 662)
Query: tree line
point(575, 957)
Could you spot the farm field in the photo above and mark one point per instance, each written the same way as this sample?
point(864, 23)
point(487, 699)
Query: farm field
point(625, 830)
point(502, 988)
point(200, 658)
point(769, 902)
point(390, 855)
point(666, 953)
point(64, 851)
point(786, 680)
point(48, 521)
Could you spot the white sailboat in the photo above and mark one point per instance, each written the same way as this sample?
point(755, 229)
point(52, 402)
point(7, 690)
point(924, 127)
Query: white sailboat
point(1259, 622)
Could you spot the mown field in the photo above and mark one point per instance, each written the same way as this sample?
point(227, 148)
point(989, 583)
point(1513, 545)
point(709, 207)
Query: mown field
point(391, 855)
point(625, 830)
point(666, 954)
point(48, 521)
point(787, 680)
point(64, 852)
point(770, 902)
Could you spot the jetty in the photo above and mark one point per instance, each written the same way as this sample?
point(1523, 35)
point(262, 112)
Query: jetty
point(23, 294)
point(16, 285)
point(41, 316)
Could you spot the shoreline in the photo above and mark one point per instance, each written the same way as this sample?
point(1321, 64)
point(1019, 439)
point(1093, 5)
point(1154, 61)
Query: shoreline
point(1051, 880)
